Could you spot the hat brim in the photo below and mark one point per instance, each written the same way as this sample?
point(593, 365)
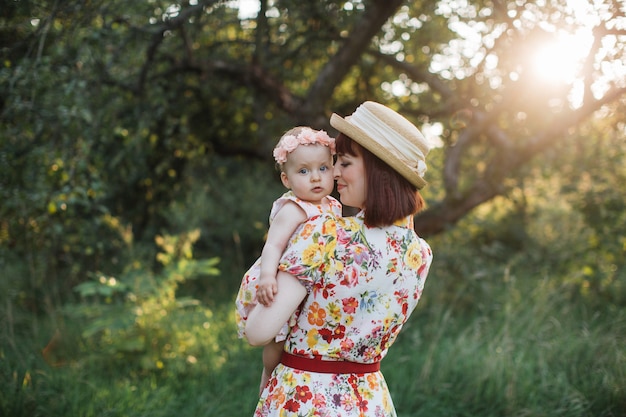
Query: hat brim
point(363, 139)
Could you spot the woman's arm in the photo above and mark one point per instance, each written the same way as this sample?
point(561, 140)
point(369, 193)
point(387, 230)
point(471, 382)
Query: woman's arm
point(263, 323)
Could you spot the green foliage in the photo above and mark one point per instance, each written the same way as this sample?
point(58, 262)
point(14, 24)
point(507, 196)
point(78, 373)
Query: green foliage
point(229, 202)
point(220, 380)
point(136, 317)
point(583, 232)
point(571, 225)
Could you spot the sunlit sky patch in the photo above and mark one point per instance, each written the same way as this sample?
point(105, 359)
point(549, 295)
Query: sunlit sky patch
point(248, 9)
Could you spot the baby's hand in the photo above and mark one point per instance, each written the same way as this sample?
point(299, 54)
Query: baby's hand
point(266, 291)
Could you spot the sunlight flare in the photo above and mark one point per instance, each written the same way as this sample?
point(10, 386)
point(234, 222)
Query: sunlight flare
point(561, 60)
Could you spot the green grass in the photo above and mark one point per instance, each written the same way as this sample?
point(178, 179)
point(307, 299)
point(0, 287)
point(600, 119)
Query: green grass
point(498, 342)
point(536, 356)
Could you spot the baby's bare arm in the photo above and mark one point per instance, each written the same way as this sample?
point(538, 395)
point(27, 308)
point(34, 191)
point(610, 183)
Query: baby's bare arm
point(284, 224)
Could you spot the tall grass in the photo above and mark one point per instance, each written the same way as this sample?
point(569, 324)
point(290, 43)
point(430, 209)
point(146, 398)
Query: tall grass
point(533, 354)
point(528, 350)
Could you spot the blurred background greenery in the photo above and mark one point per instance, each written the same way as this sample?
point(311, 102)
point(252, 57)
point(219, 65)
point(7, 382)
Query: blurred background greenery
point(136, 179)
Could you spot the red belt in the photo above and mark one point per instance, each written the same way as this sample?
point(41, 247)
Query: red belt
point(327, 367)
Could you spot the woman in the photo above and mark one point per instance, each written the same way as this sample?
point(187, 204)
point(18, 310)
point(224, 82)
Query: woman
point(352, 282)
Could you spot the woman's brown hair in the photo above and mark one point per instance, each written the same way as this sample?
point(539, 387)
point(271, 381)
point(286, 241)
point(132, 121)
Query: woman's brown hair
point(390, 197)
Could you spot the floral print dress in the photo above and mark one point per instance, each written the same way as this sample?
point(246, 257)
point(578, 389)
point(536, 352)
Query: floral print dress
point(246, 298)
point(362, 284)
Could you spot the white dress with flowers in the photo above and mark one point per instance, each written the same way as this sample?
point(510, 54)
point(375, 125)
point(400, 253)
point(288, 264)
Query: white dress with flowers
point(362, 284)
point(246, 298)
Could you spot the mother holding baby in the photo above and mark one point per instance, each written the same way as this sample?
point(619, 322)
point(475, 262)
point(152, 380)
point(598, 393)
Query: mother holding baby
point(352, 282)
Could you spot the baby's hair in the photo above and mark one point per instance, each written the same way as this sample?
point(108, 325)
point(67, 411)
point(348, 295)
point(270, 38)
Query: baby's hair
point(294, 131)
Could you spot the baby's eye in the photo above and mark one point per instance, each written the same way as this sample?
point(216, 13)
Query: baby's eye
point(303, 171)
point(324, 168)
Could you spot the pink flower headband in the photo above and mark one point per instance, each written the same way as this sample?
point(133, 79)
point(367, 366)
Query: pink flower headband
point(306, 137)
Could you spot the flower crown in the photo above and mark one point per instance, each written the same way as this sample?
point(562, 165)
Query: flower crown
point(307, 136)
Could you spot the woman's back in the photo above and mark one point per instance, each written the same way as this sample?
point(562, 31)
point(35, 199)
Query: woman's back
point(363, 284)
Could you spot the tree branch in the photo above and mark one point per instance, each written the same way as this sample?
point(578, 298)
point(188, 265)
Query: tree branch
point(418, 75)
point(336, 69)
point(508, 160)
point(157, 37)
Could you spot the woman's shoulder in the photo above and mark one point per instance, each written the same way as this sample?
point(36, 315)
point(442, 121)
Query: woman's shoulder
point(334, 205)
point(401, 230)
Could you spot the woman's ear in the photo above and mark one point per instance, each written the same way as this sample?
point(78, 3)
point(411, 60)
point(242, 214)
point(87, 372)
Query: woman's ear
point(285, 179)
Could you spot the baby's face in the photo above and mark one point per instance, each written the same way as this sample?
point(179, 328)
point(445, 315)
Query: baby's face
point(308, 172)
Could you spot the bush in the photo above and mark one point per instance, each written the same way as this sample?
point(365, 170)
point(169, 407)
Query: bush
point(138, 317)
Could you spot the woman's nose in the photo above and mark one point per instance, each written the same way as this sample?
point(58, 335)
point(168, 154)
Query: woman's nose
point(336, 171)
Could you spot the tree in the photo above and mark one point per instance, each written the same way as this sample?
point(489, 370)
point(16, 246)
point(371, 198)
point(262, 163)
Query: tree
point(108, 103)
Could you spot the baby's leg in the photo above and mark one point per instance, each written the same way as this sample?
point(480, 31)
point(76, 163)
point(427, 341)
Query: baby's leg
point(271, 357)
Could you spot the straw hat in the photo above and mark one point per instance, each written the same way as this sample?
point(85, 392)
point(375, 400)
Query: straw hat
point(389, 136)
